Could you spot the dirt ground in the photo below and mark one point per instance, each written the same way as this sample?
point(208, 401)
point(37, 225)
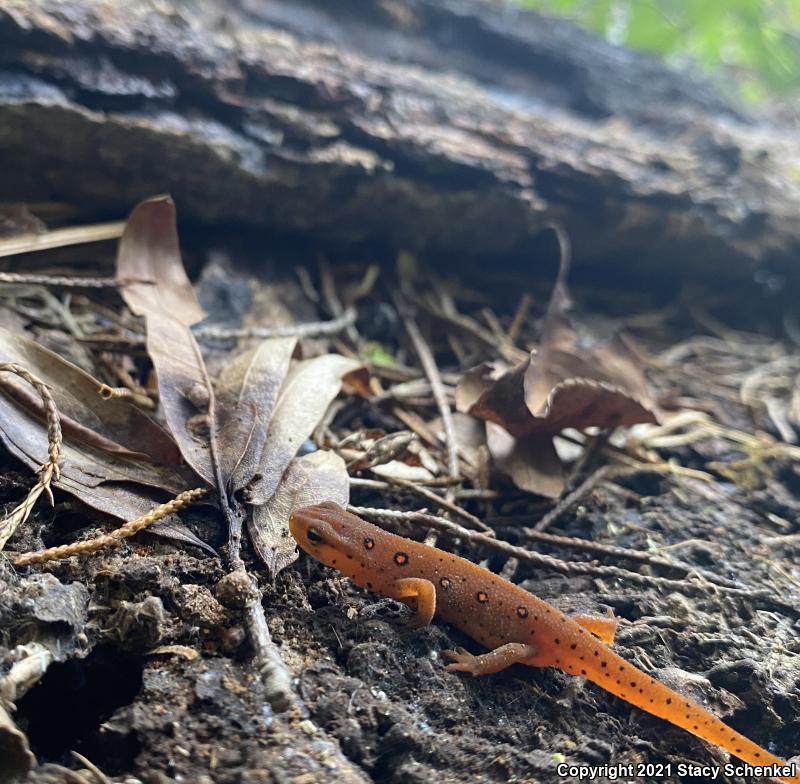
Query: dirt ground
point(153, 682)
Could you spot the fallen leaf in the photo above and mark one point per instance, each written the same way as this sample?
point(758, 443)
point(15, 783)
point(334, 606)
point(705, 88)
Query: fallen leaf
point(149, 251)
point(572, 381)
point(113, 425)
point(531, 462)
point(311, 479)
point(16, 759)
point(172, 528)
point(149, 266)
point(308, 390)
point(247, 391)
point(115, 458)
point(184, 393)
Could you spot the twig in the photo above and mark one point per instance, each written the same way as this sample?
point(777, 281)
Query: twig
point(614, 551)
point(62, 281)
point(572, 498)
point(443, 503)
point(309, 329)
point(331, 298)
point(691, 586)
point(92, 768)
point(60, 238)
point(107, 393)
point(520, 314)
point(306, 330)
point(451, 316)
point(50, 470)
point(114, 538)
point(432, 372)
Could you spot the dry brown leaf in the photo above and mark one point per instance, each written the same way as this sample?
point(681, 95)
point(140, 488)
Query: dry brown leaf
point(311, 479)
point(148, 251)
point(530, 462)
point(112, 426)
point(247, 391)
point(308, 390)
point(16, 759)
point(173, 529)
point(246, 433)
point(120, 480)
point(572, 381)
point(184, 390)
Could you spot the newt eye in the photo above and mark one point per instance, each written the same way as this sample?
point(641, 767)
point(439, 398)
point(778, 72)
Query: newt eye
point(314, 536)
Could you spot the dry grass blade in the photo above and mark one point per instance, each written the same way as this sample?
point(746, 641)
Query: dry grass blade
point(115, 537)
point(60, 238)
point(50, 469)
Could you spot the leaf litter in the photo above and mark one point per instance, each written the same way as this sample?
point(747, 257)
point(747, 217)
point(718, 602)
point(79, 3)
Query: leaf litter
point(244, 435)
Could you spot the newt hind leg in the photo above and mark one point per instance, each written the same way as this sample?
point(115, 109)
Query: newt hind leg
point(489, 663)
point(602, 626)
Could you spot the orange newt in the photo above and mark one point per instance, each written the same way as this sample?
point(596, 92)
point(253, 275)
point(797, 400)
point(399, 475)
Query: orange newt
point(515, 625)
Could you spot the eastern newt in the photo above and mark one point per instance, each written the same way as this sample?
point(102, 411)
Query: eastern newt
point(515, 625)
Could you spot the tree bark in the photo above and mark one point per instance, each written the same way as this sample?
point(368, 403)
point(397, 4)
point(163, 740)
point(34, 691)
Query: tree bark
point(438, 126)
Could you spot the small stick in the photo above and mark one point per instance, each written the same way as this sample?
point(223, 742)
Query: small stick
point(615, 551)
point(432, 372)
point(445, 504)
point(305, 330)
point(59, 238)
point(137, 398)
point(572, 498)
point(309, 329)
point(520, 314)
point(693, 587)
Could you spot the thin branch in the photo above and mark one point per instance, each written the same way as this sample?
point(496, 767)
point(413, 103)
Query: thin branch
point(444, 503)
point(309, 329)
point(614, 551)
point(693, 585)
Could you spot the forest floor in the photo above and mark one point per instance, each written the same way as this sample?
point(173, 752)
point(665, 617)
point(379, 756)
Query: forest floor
point(151, 677)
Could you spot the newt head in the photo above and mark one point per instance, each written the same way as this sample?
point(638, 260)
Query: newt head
point(328, 533)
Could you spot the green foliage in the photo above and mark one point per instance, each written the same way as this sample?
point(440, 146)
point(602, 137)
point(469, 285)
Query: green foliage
point(754, 43)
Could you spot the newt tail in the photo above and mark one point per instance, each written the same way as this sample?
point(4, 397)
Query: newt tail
point(516, 626)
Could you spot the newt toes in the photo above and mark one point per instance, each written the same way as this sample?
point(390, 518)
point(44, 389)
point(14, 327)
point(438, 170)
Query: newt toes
point(516, 626)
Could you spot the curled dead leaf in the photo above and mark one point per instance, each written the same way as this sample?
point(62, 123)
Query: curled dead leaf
point(571, 381)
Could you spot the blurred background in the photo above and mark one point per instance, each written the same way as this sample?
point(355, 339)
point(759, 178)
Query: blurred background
point(752, 47)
